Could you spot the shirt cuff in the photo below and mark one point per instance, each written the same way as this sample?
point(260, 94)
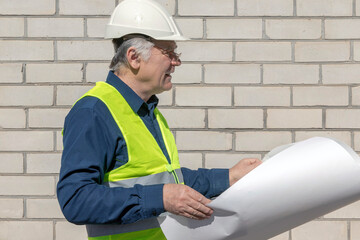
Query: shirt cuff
point(220, 180)
point(153, 200)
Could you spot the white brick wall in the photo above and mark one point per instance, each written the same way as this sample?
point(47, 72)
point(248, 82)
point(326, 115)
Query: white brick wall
point(257, 74)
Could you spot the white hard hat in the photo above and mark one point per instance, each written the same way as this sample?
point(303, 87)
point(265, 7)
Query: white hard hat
point(145, 17)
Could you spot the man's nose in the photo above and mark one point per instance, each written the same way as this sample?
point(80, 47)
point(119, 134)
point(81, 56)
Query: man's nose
point(176, 61)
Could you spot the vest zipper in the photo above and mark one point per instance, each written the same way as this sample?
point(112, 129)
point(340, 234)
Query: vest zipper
point(172, 171)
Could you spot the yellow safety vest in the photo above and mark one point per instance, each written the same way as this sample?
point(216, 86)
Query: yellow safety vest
point(146, 164)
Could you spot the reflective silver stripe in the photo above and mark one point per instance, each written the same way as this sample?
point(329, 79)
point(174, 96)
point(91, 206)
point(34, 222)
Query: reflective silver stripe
point(97, 230)
point(159, 178)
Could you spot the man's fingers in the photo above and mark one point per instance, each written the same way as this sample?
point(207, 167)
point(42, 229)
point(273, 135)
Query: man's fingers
point(185, 201)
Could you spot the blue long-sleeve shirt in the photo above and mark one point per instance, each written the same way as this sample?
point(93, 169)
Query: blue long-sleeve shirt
point(94, 145)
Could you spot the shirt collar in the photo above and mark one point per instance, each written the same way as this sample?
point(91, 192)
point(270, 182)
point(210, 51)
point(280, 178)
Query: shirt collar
point(134, 101)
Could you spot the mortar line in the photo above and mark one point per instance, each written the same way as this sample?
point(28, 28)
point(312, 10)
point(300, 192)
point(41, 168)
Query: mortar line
point(320, 82)
point(54, 140)
point(203, 160)
point(176, 8)
point(323, 28)
point(85, 27)
point(23, 70)
point(235, 8)
point(204, 29)
point(84, 70)
point(25, 27)
point(354, 8)
point(57, 8)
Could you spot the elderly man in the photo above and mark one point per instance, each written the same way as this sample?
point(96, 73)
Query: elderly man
point(120, 166)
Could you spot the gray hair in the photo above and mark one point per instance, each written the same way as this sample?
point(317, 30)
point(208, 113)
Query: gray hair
point(141, 45)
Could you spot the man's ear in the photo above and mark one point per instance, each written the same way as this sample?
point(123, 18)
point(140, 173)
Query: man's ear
point(133, 58)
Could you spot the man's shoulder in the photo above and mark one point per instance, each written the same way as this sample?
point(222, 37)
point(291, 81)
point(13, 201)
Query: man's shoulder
point(88, 106)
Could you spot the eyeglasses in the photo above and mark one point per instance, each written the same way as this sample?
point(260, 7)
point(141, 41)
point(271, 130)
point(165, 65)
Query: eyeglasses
point(169, 53)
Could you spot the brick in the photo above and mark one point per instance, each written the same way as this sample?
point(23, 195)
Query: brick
point(68, 95)
point(205, 51)
point(354, 230)
point(235, 73)
point(191, 27)
point(341, 73)
point(264, 8)
point(59, 142)
point(24, 7)
point(322, 51)
point(324, 8)
point(55, 27)
point(321, 230)
point(187, 73)
point(85, 50)
point(283, 236)
point(43, 208)
point(203, 96)
point(357, 141)
point(191, 160)
point(11, 163)
point(97, 72)
point(26, 141)
point(12, 118)
point(66, 231)
point(263, 51)
point(349, 211)
point(236, 118)
point(320, 96)
point(234, 28)
point(356, 96)
point(226, 160)
point(294, 118)
point(262, 96)
point(43, 163)
point(11, 208)
point(21, 185)
point(169, 5)
point(11, 73)
point(96, 27)
point(357, 51)
point(206, 8)
point(293, 28)
point(55, 72)
point(165, 98)
point(47, 118)
point(261, 141)
point(11, 27)
point(343, 118)
point(339, 135)
point(93, 7)
point(342, 28)
point(203, 140)
point(184, 118)
point(26, 50)
point(33, 230)
point(26, 96)
point(290, 74)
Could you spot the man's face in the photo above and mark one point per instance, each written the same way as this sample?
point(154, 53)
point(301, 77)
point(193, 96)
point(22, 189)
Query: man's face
point(156, 72)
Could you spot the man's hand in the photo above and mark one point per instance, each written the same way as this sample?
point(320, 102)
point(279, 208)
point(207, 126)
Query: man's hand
point(242, 168)
point(185, 201)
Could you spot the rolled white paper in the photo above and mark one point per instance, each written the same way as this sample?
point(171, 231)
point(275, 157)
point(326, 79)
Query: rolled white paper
point(295, 185)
